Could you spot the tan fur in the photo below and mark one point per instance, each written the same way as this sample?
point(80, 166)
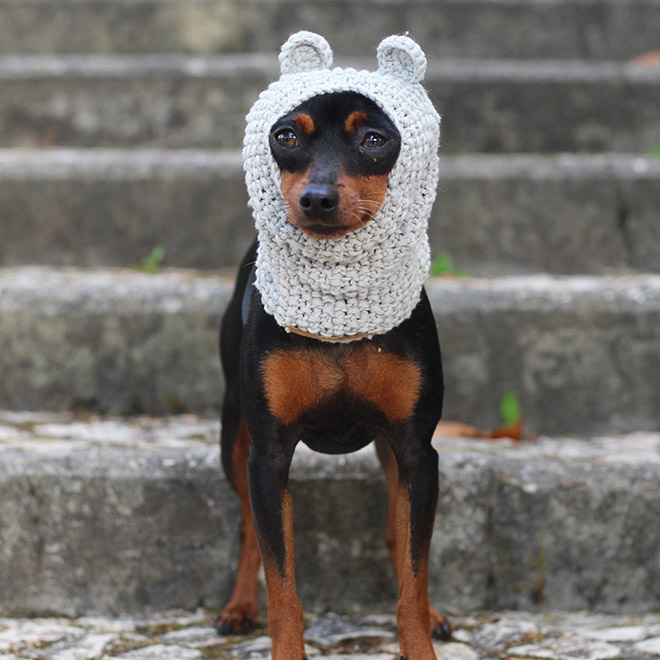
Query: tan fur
point(285, 615)
point(298, 380)
point(243, 603)
point(304, 123)
point(393, 527)
point(360, 198)
point(354, 121)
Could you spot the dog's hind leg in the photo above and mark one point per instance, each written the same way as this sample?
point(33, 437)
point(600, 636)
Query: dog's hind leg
point(240, 613)
point(391, 472)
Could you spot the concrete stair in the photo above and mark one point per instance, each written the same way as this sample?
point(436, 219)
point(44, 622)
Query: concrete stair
point(120, 129)
point(596, 29)
point(182, 101)
point(495, 214)
point(107, 516)
point(581, 353)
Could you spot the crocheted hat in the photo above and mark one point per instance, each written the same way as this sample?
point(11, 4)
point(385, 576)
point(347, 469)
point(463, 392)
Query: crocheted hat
point(368, 281)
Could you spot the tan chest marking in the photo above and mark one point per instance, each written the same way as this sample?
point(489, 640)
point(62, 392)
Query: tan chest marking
point(297, 380)
point(388, 381)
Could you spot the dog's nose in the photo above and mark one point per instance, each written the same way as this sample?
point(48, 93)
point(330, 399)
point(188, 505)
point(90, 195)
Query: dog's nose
point(319, 201)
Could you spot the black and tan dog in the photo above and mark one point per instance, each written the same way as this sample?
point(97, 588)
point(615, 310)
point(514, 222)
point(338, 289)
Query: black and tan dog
point(335, 397)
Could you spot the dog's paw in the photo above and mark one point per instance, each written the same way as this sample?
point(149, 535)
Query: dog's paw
point(441, 628)
point(236, 620)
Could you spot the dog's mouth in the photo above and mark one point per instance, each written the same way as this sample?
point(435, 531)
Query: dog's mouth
point(317, 230)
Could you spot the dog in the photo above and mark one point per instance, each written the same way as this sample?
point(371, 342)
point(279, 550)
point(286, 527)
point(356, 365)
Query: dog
point(334, 153)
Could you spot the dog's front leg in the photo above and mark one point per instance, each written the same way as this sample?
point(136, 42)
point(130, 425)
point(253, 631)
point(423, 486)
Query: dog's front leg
point(268, 475)
point(417, 464)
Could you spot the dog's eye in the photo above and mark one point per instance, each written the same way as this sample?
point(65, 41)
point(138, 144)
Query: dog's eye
point(373, 140)
point(286, 138)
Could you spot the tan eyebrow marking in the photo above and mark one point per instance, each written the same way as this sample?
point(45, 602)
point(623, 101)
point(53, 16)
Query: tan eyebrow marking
point(305, 123)
point(354, 121)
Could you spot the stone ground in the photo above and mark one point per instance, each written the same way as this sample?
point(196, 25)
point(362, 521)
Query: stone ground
point(189, 636)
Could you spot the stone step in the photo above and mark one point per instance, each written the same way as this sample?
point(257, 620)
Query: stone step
point(106, 516)
point(185, 635)
point(605, 29)
point(562, 214)
point(178, 101)
point(582, 354)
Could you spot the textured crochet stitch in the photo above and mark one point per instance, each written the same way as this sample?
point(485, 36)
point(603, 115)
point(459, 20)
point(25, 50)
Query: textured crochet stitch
point(370, 280)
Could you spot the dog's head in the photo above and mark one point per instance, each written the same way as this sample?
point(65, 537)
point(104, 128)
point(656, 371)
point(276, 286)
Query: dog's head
point(329, 151)
point(335, 152)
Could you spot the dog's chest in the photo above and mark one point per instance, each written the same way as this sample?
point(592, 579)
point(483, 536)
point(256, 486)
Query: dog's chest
point(297, 381)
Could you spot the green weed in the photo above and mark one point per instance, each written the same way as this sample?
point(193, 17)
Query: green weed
point(153, 262)
point(510, 409)
point(443, 264)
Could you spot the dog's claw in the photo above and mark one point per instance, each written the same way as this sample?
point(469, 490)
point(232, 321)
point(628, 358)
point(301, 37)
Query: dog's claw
point(442, 632)
point(229, 627)
point(223, 627)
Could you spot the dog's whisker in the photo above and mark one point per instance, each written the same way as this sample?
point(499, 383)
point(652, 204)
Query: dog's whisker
point(364, 200)
point(359, 218)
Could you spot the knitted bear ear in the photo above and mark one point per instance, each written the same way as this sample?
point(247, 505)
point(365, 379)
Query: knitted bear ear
point(305, 51)
point(401, 57)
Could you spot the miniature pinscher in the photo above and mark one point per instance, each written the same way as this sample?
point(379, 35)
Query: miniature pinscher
point(335, 152)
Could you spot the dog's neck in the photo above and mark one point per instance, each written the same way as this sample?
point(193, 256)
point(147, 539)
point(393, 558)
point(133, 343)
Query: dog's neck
point(357, 286)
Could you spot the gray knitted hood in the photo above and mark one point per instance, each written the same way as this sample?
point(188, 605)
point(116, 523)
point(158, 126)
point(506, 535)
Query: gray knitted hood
point(370, 280)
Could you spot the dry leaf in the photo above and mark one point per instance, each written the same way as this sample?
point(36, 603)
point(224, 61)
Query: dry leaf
point(649, 59)
point(457, 429)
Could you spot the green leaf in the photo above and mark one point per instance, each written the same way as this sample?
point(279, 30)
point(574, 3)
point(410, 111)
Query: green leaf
point(510, 409)
point(441, 265)
point(655, 151)
point(152, 263)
